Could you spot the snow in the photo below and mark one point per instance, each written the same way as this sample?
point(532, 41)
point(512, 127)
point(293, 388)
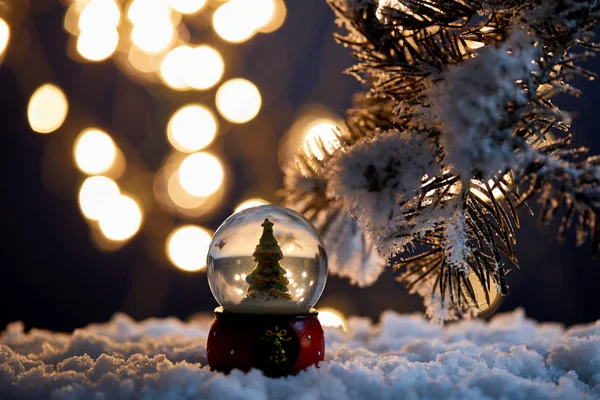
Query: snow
point(404, 356)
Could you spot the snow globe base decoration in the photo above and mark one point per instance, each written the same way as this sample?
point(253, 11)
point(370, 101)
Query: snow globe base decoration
point(267, 268)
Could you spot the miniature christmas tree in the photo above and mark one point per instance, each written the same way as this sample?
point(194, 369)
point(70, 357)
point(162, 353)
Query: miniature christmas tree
point(456, 132)
point(268, 277)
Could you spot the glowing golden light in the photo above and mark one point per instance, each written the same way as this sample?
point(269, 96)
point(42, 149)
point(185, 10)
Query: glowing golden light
point(4, 35)
point(95, 151)
point(201, 174)
point(187, 6)
point(198, 68)
point(233, 21)
point(238, 100)
point(187, 247)
point(47, 109)
point(277, 18)
point(96, 195)
point(255, 202)
point(153, 36)
point(191, 128)
point(494, 296)
point(205, 68)
point(99, 15)
point(332, 318)
point(122, 220)
point(174, 68)
point(320, 130)
point(97, 45)
point(260, 11)
point(143, 11)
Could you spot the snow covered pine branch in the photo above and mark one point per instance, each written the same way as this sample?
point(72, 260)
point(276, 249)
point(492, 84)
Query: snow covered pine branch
point(456, 132)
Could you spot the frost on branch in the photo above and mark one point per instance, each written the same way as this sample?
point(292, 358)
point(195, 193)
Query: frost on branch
point(376, 179)
point(456, 131)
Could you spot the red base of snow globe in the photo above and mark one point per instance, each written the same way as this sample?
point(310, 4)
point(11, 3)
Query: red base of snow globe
point(279, 345)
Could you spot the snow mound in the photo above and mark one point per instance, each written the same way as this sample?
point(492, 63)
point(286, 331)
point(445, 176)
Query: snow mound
point(404, 356)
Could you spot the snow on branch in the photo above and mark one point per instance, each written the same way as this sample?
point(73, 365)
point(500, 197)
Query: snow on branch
point(457, 131)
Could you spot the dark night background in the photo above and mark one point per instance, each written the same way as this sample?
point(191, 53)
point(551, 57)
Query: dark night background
point(53, 277)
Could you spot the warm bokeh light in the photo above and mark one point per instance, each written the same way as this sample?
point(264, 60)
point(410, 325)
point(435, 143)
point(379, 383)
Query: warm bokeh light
point(187, 247)
point(191, 128)
point(99, 15)
point(495, 297)
point(332, 318)
point(187, 6)
point(198, 68)
point(174, 68)
point(97, 195)
point(255, 202)
point(95, 151)
point(153, 36)
point(277, 18)
point(260, 11)
point(238, 100)
point(233, 21)
point(143, 11)
point(97, 45)
point(205, 68)
point(320, 130)
point(47, 109)
point(201, 174)
point(122, 220)
point(4, 35)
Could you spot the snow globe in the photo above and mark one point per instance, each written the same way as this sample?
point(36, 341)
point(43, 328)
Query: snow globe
point(267, 268)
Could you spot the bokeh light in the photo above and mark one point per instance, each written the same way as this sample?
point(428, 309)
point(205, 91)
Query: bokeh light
point(143, 11)
point(254, 202)
point(47, 109)
point(201, 174)
point(174, 68)
point(97, 45)
point(4, 35)
point(233, 21)
point(96, 196)
point(187, 247)
point(332, 318)
point(320, 130)
point(238, 100)
point(99, 15)
point(191, 128)
point(122, 220)
point(187, 6)
point(153, 36)
point(95, 151)
point(205, 68)
point(277, 18)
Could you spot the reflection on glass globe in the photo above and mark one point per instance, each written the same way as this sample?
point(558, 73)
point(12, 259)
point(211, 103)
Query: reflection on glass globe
point(267, 260)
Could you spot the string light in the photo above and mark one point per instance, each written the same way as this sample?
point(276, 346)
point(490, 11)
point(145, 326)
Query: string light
point(238, 100)
point(187, 247)
point(97, 45)
point(232, 21)
point(187, 6)
point(205, 68)
point(96, 195)
point(47, 109)
point(255, 202)
point(4, 35)
point(99, 15)
point(191, 128)
point(153, 36)
point(332, 318)
point(95, 151)
point(201, 174)
point(122, 220)
point(321, 130)
point(174, 68)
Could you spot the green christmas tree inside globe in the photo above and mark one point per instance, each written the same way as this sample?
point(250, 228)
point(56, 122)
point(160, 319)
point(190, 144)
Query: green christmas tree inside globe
point(267, 260)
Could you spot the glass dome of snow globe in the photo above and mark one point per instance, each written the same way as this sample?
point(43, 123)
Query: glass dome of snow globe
point(267, 260)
